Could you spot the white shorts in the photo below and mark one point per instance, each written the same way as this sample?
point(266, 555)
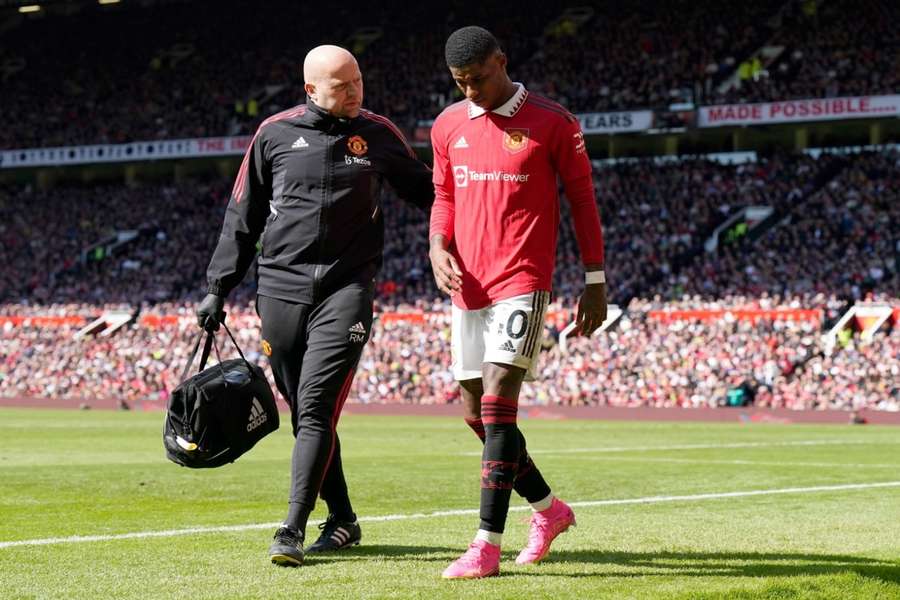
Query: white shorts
point(508, 332)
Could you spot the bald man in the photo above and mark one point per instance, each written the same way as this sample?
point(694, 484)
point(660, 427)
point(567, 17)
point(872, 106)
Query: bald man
point(309, 191)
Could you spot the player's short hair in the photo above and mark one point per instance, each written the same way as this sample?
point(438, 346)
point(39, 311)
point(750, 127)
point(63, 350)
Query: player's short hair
point(470, 46)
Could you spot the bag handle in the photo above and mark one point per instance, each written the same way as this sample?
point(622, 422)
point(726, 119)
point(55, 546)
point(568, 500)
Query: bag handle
point(203, 357)
point(233, 341)
point(207, 347)
point(236, 347)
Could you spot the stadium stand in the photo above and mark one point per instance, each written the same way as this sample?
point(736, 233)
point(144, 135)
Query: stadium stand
point(644, 207)
point(643, 362)
point(838, 214)
point(72, 252)
point(841, 242)
point(822, 53)
point(162, 77)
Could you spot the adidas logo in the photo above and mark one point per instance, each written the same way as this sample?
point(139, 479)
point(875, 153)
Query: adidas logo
point(507, 346)
point(300, 143)
point(340, 536)
point(257, 416)
point(461, 142)
point(358, 333)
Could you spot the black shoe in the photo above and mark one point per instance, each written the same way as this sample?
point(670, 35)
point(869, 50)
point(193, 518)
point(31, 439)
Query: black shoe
point(287, 549)
point(336, 535)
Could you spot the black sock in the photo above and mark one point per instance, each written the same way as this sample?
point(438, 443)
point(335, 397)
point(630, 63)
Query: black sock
point(529, 483)
point(297, 517)
point(308, 464)
point(499, 460)
point(334, 488)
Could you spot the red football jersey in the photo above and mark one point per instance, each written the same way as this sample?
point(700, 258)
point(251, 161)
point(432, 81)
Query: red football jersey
point(496, 194)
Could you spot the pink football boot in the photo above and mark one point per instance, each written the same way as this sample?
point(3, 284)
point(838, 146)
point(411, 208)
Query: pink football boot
point(480, 560)
point(545, 526)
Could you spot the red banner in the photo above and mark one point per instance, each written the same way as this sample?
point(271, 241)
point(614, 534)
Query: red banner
point(787, 111)
point(393, 317)
point(154, 321)
point(39, 321)
point(666, 316)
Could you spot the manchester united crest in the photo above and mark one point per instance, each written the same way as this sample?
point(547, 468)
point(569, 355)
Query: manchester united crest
point(515, 140)
point(357, 145)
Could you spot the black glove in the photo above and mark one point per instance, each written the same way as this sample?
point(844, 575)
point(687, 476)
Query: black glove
point(210, 313)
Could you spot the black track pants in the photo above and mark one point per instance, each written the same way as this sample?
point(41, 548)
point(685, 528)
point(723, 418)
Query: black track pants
point(314, 353)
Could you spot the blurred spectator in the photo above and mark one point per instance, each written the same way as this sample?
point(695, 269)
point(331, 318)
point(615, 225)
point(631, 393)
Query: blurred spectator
point(642, 362)
point(162, 77)
point(841, 242)
point(841, 48)
point(837, 245)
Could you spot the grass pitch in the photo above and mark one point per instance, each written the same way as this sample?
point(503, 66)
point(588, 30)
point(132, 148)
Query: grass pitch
point(673, 535)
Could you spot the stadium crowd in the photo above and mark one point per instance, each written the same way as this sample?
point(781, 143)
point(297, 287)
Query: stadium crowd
point(640, 362)
point(860, 375)
point(160, 66)
point(162, 76)
point(136, 363)
point(654, 215)
point(648, 54)
point(49, 240)
point(828, 49)
point(843, 242)
point(843, 231)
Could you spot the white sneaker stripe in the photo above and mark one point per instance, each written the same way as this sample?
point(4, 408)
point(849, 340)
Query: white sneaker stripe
point(340, 536)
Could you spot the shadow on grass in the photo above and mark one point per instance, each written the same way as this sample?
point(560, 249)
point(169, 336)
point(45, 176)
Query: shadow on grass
point(718, 564)
point(388, 552)
point(600, 563)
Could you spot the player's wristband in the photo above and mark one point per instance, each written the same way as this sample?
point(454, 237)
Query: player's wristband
point(592, 277)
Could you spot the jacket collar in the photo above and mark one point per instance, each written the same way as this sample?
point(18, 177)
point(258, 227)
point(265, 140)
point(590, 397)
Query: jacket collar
point(507, 109)
point(319, 118)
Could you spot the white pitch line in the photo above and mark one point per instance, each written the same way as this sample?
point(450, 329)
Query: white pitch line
point(762, 463)
point(77, 539)
point(603, 449)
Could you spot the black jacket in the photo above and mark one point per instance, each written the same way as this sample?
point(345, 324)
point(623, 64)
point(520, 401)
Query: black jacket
point(310, 185)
